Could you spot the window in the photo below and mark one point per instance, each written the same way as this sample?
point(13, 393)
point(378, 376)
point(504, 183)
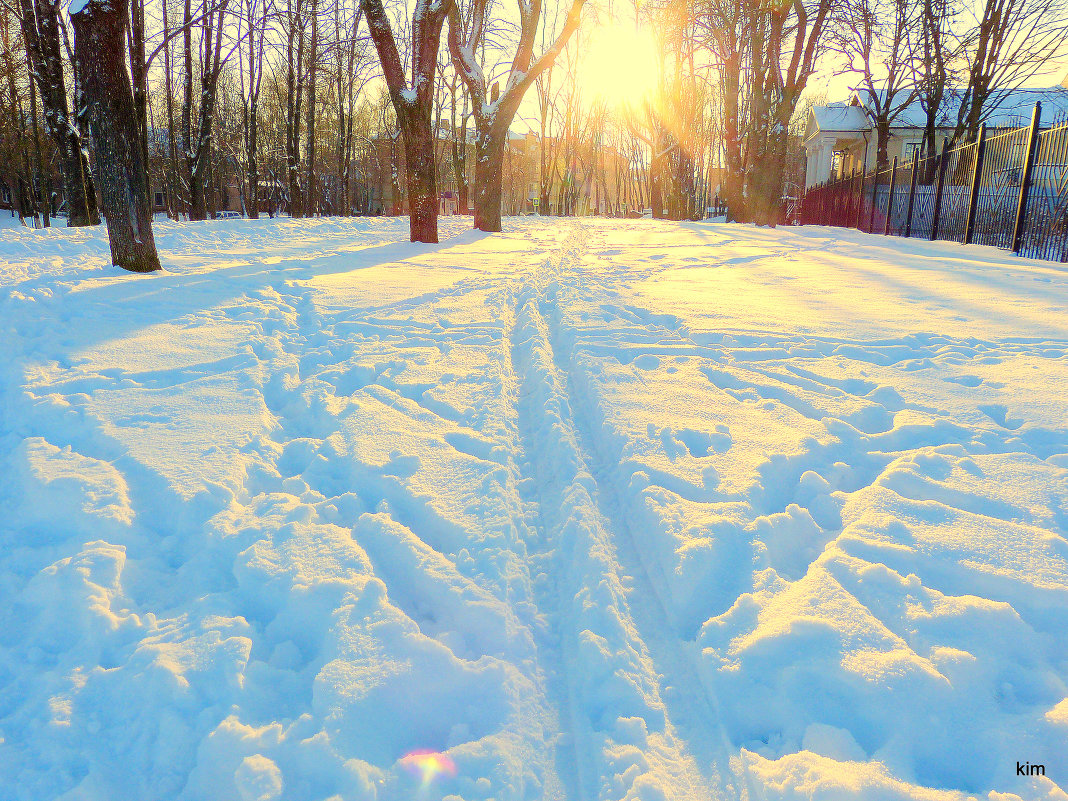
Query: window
point(908, 150)
point(5, 193)
point(159, 198)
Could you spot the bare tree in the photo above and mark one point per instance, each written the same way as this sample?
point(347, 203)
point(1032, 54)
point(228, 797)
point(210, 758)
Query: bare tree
point(494, 110)
point(9, 67)
point(254, 21)
point(1010, 42)
point(459, 117)
point(295, 20)
point(349, 67)
point(876, 39)
point(198, 141)
point(934, 55)
point(413, 101)
point(766, 53)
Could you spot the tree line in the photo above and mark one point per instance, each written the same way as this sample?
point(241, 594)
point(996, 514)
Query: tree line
point(297, 100)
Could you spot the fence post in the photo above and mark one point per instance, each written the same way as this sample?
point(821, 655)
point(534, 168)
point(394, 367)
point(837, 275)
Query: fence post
point(936, 212)
point(977, 176)
point(847, 211)
point(912, 191)
point(860, 200)
point(836, 202)
point(832, 194)
point(874, 197)
point(1025, 182)
point(834, 207)
point(890, 198)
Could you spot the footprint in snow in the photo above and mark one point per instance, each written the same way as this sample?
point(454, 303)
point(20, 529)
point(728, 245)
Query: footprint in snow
point(999, 413)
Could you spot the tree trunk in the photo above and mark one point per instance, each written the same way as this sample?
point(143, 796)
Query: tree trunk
point(294, 95)
point(413, 105)
point(422, 177)
point(310, 203)
point(139, 72)
point(489, 175)
point(200, 152)
point(882, 157)
point(187, 102)
point(253, 164)
point(773, 177)
point(27, 202)
point(172, 144)
point(656, 181)
point(44, 201)
point(341, 138)
point(459, 149)
point(41, 30)
point(99, 49)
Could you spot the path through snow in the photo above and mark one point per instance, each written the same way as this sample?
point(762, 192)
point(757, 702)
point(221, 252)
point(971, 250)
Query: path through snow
point(598, 510)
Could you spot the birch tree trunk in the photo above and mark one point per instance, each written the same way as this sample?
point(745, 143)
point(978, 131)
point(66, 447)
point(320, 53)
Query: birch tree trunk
point(294, 96)
point(310, 204)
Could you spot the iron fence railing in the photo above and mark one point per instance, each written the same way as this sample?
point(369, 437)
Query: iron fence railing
point(1008, 190)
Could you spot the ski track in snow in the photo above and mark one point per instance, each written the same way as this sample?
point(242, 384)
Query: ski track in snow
point(602, 510)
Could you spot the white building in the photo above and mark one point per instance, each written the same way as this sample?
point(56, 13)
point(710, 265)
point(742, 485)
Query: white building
point(840, 137)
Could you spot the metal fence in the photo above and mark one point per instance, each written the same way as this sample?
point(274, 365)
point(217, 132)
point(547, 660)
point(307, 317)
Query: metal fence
point(1008, 190)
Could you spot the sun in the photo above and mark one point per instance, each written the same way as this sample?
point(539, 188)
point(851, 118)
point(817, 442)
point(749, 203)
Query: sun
point(620, 67)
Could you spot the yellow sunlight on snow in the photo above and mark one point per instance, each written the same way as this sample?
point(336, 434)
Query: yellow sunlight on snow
point(620, 66)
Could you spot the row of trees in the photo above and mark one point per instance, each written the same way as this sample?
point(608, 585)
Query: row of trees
point(956, 60)
point(286, 96)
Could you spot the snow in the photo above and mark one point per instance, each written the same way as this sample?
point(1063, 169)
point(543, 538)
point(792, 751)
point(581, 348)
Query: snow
point(585, 510)
point(840, 117)
point(1010, 109)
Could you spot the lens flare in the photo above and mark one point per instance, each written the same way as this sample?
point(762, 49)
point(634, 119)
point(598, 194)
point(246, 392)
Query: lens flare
point(621, 65)
point(428, 765)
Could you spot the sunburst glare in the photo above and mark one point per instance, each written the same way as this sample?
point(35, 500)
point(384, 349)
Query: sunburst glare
point(620, 67)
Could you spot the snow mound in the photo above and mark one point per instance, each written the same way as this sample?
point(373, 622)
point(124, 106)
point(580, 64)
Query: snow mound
point(584, 510)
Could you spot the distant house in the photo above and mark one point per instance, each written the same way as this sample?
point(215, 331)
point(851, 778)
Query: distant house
point(840, 137)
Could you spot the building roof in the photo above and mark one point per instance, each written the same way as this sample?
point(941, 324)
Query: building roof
point(1015, 109)
point(1009, 110)
point(840, 117)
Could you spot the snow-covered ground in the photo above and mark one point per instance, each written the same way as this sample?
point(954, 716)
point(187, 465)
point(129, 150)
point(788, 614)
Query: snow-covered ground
point(583, 510)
